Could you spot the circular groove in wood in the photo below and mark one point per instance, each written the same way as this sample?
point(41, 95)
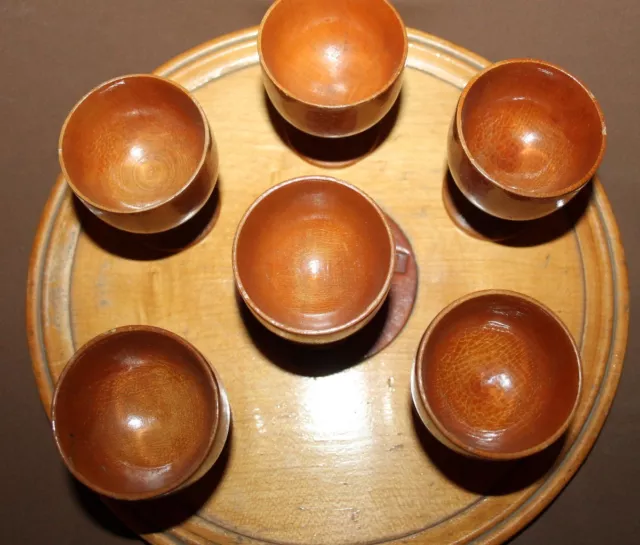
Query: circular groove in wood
point(48, 252)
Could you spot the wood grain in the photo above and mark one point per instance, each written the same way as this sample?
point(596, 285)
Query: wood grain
point(332, 68)
point(314, 259)
point(137, 413)
point(324, 452)
point(137, 151)
point(526, 137)
point(499, 375)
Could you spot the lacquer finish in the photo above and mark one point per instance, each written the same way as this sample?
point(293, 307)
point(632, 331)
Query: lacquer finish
point(525, 138)
point(138, 413)
point(313, 259)
point(327, 451)
point(498, 376)
point(138, 152)
point(332, 68)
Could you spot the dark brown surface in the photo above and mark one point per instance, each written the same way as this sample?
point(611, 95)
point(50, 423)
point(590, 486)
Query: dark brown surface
point(377, 335)
point(135, 412)
point(532, 128)
point(137, 150)
point(314, 257)
point(51, 53)
point(499, 375)
point(526, 136)
point(312, 71)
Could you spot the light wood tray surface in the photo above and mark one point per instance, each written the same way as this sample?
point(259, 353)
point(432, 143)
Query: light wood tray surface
point(323, 452)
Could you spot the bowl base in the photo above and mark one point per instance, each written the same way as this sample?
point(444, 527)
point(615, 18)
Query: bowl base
point(330, 152)
point(333, 153)
point(188, 234)
point(473, 221)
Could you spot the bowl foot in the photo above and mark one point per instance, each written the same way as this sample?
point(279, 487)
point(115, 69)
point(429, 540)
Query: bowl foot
point(473, 221)
point(189, 233)
point(331, 152)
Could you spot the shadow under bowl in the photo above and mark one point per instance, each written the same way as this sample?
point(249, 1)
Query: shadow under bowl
point(332, 68)
point(313, 259)
point(497, 376)
point(526, 137)
point(138, 152)
point(138, 413)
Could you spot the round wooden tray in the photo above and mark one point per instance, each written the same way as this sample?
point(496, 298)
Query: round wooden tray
point(326, 449)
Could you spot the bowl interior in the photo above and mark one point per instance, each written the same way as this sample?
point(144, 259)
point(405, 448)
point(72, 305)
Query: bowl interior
point(133, 143)
point(135, 414)
point(332, 52)
point(531, 127)
point(500, 374)
point(314, 254)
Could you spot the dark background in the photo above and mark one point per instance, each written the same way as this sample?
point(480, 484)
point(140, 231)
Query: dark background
point(53, 51)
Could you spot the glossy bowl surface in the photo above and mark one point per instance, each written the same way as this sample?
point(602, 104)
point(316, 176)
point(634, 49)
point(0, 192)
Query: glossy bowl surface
point(526, 136)
point(332, 68)
point(135, 145)
point(135, 413)
point(313, 259)
point(498, 376)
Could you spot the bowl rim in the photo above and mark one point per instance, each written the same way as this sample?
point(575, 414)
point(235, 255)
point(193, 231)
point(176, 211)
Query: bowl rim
point(146, 208)
point(315, 333)
point(478, 452)
point(538, 194)
point(335, 107)
point(211, 380)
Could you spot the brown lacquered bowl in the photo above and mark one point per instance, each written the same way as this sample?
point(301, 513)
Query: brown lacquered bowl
point(139, 413)
point(525, 138)
point(497, 376)
point(313, 259)
point(332, 68)
point(138, 152)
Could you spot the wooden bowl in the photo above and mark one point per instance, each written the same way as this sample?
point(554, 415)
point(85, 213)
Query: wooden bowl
point(525, 138)
point(332, 68)
point(138, 152)
point(139, 413)
point(313, 259)
point(497, 376)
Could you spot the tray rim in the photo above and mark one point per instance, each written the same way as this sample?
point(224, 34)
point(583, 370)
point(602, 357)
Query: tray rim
point(541, 498)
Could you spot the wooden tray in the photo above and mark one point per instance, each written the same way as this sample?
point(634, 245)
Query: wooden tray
point(325, 451)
